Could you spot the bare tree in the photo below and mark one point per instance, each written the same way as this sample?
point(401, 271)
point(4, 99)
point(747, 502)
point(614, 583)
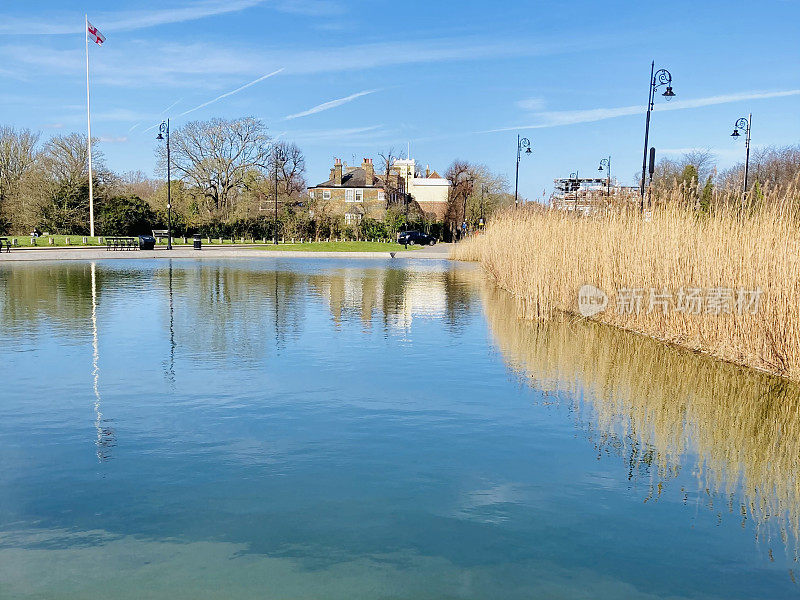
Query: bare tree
point(61, 185)
point(137, 183)
point(462, 177)
point(772, 166)
point(391, 182)
point(17, 159)
point(215, 156)
point(291, 170)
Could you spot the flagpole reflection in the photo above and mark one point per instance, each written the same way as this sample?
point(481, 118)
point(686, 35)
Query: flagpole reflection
point(105, 435)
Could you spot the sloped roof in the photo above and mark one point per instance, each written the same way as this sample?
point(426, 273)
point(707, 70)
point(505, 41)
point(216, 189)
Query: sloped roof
point(356, 178)
point(434, 175)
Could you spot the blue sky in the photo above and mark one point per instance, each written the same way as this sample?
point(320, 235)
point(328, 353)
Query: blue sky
point(455, 79)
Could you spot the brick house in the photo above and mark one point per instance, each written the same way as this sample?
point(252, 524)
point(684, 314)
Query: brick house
point(354, 192)
point(357, 192)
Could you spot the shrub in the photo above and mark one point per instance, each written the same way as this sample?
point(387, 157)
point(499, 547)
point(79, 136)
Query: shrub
point(126, 215)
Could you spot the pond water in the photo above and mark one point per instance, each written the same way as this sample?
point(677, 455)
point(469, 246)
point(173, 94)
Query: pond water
point(318, 428)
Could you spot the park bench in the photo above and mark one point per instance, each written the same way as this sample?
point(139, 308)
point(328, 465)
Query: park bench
point(121, 243)
point(4, 241)
point(160, 234)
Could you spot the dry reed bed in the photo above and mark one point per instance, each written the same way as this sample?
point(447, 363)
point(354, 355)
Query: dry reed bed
point(543, 257)
point(743, 426)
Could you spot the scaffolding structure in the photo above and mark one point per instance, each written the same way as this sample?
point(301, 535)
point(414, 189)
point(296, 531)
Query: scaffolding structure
point(590, 195)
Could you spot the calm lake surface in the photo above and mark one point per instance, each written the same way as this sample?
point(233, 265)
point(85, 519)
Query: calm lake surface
point(346, 429)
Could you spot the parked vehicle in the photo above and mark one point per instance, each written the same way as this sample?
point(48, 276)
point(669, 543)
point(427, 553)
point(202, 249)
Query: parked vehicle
point(415, 237)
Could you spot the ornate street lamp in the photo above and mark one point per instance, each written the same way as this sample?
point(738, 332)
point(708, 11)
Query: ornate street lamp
point(657, 79)
point(575, 187)
point(744, 125)
point(482, 220)
point(522, 144)
point(605, 164)
point(280, 156)
point(163, 133)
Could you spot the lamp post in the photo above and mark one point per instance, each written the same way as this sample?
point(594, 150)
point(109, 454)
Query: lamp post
point(657, 79)
point(163, 133)
point(280, 156)
point(575, 187)
point(526, 144)
point(744, 125)
point(605, 164)
point(482, 220)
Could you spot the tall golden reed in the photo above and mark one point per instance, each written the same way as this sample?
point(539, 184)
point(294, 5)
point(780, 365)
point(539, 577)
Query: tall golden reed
point(544, 257)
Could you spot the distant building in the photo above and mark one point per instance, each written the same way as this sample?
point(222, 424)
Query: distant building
point(590, 195)
point(355, 192)
point(358, 192)
point(428, 190)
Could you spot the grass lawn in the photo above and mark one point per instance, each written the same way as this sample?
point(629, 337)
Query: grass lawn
point(339, 247)
point(24, 241)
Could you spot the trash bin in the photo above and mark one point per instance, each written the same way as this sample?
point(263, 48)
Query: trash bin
point(147, 242)
point(198, 242)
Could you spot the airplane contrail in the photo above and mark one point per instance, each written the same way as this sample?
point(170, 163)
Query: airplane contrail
point(161, 113)
point(328, 105)
point(231, 93)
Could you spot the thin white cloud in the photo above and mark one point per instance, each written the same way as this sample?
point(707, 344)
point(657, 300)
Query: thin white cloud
point(173, 64)
point(531, 104)
point(573, 117)
point(118, 114)
point(329, 105)
point(231, 93)
point(335, 134)
point(61, 24)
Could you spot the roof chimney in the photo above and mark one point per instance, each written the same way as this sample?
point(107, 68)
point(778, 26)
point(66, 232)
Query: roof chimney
point(337, 171)
point(369, 171)
point(427, 171)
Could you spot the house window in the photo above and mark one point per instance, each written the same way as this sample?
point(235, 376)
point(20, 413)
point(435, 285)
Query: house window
point(351, 219)
point(381, 195)
point(326, 195)
point(311, 194)
point(359, 195)
point(349, 196)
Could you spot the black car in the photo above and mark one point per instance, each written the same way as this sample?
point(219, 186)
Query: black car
point(415, 237)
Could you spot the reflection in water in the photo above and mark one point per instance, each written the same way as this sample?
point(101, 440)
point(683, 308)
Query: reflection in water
point(170, 371)
point(105, 434)
point(216, 312)
point(330, 428)
point(657, 406)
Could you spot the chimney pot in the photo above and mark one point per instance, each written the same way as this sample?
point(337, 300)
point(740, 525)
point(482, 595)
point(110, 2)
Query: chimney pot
point(369, 171)
point(337, 171)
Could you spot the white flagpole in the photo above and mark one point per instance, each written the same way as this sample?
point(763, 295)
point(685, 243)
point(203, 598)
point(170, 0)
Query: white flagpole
point(89, 129)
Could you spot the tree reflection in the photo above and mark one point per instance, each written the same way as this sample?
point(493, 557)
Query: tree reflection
point(394, 295)
point(216, 312)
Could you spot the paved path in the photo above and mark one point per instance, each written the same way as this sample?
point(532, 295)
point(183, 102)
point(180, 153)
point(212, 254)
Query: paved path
point(439, 251)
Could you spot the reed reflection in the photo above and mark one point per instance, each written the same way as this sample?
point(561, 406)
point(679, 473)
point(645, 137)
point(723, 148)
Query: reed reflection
point(664, 409)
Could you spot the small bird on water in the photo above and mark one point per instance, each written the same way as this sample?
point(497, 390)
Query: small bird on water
point(391, 254)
